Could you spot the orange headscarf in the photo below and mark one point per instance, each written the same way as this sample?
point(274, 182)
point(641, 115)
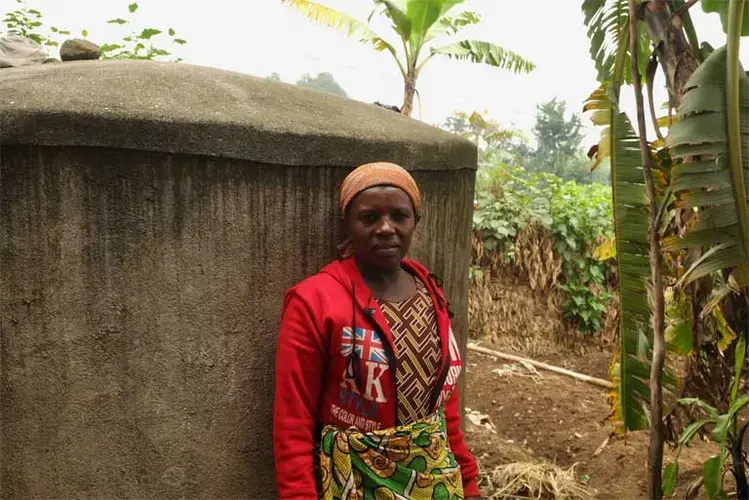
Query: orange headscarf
point(371, 175)
point(378, 174)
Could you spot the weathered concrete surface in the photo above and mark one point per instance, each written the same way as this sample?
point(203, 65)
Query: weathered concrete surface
point(140, 294)
point(177, 108)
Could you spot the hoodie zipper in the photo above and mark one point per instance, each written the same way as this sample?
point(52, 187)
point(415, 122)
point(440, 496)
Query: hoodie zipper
point(439, 383)
point(442, 304)
point(392, 360)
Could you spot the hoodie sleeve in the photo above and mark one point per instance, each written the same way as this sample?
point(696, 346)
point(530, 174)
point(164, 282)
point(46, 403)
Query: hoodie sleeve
point(301, 358)
point(468, 467)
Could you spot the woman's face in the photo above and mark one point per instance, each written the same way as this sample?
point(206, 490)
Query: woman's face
point(380, 222)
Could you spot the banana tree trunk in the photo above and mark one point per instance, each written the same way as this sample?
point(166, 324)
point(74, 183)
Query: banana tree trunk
point(672, 48)
point(408, 92)
point(678, 61)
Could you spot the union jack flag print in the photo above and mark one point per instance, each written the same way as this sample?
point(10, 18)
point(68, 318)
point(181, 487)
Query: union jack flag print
point(368, 345)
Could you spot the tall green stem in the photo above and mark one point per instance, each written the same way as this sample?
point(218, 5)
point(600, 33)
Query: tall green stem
point(655, 458)
point(735, 14)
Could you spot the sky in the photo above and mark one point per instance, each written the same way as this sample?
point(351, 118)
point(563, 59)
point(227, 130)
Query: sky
point(259, 37)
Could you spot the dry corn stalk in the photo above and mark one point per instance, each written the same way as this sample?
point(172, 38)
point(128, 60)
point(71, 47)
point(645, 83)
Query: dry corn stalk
point(534, 255)
point(516, 302)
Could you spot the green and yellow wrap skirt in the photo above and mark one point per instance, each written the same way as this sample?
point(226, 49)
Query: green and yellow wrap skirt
point(410, 462)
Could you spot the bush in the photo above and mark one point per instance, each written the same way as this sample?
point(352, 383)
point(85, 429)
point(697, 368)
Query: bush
point(579, 218)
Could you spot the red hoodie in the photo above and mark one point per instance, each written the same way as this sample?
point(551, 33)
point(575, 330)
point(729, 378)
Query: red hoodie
point(312, 385)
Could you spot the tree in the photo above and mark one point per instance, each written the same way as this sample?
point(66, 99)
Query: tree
point(557, 150)
point(494, 142)
point(323, 81)
point(274, 77)
point(420, 25)
point(558, 139)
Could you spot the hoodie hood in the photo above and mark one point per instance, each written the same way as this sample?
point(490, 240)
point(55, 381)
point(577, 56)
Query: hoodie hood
point(346, 272)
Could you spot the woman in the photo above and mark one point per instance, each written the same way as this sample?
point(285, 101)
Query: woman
point(366, 403)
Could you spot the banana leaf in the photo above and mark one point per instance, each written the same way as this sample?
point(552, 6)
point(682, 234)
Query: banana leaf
point(721, 8)
point(488, 53)
point(630, 370)
point(707, 184)
point(343, 23)
point(605, 20)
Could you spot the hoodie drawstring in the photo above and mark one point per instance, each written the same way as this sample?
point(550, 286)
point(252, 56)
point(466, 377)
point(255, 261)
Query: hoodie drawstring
point(353, 368)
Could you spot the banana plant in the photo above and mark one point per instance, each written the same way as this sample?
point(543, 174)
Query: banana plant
point(707, 183)
point(715, 130)
point(608, 30)
point(425, 29)
point(630, 369)
point(608, 24)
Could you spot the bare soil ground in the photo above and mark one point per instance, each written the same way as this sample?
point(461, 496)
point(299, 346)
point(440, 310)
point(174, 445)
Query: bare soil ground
point(562, 420)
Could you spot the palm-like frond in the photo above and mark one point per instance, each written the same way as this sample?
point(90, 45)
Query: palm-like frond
point(424, 14)
point(487, 53)
point(396, 11)
point(606, 21)
point(342, 23)
point(332, 18)
point(450, 25)
point(631, 370)
point(709, 184)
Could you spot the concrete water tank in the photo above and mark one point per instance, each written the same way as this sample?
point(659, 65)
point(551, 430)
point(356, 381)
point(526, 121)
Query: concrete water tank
point(151, 217)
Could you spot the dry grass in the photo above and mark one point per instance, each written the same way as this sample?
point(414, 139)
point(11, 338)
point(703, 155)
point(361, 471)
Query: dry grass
point(507, 311)
point(508, 471)
point(518, 304)
point(535, 480)
point(534, 258)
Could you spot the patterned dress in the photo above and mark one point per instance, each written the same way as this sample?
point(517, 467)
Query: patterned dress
point(417, 349)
